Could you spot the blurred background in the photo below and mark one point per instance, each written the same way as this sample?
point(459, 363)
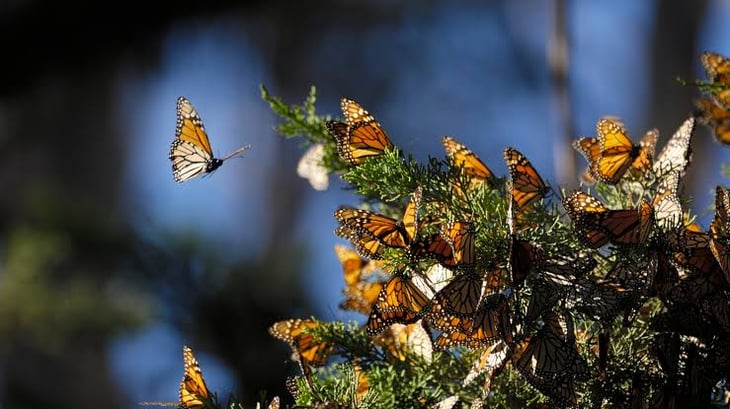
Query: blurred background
point(108, 267)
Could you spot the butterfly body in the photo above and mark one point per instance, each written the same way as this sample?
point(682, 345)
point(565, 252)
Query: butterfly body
point(190, 152)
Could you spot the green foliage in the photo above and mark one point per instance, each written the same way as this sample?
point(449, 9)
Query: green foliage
point(45, 305)
point(618, 341)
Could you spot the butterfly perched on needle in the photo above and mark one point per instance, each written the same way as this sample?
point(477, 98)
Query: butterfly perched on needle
point(527, 185)
point(190, 152)
point(470, 164)
point(597, 225)
point(194, 394)
point(612, 153)
point(360, 136)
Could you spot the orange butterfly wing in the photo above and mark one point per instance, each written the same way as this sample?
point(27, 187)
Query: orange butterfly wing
point(385, 229)
point(718, 72)
point(617, 151)
point(400, 301)
point(462, 157)
point(361, 136)
point(194, 393)
point(720, 230)
point(590, 148)
point(307, 348)
point(597, 225)
point(716, 117)
point(527, 185)
point(190, 126)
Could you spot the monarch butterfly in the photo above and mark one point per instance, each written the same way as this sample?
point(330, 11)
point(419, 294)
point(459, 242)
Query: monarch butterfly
point(716, 117)
point(386, 230)
point(590, 148)
point(485, 326)
point(597, 225)
point(194, 393)
point(470, 164)
point(439, 276)
point(527, 185)
point(354, 268)
point(667, 208)
point(190, 152)
point(547, 288)
point(365, 243)
point(677, 153)
point(491, 360)
point(720, 230)
point(717, 68)
point(523, 256)
point(310, 167)
point(359, 294)
point(401, 300)
point(307, 349)
point(461, 297)
point(360, 136)
point(601, 299)
point(612, 153)
point(362, 384)
point(699, 272)
point(546, 353)
point(403, 340)
point(453, 246)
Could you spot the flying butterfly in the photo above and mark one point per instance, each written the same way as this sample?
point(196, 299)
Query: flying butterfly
point(468, 161)
point(597, 225)
point(715, 117)
point(360, 136)
point(190, 152)
point(717, 68)
point(307, 349)
point(527, 185)
point(194, 394)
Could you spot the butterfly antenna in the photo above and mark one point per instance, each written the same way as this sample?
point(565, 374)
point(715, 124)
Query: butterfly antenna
point(237, 152)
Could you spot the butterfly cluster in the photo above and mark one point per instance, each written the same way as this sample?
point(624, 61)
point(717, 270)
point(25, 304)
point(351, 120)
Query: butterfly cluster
point(434, 274)
point(714, 109)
